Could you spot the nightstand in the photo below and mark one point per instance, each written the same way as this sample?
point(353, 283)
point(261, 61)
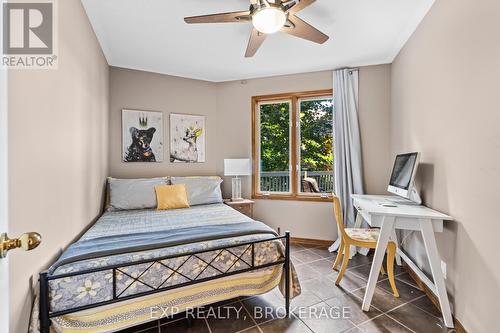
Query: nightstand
point(244, 206)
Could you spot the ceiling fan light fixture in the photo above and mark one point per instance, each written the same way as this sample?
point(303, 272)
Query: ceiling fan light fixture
point(269, 20)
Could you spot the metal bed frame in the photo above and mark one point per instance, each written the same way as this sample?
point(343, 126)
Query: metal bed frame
point(45, 277)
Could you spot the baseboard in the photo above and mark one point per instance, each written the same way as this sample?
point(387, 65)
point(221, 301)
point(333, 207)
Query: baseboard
point(309, 241)
point(433, 297)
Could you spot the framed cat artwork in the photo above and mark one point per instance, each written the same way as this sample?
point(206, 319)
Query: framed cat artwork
point(187, 138)
point(142, 136)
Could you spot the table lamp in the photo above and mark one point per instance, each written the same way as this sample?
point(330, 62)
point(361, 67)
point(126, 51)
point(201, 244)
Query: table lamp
point(237, 167)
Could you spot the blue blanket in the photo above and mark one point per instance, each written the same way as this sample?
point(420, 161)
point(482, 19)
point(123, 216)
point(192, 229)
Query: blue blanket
point(125, 243)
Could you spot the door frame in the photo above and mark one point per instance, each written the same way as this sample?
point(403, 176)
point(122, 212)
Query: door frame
point(4, 265)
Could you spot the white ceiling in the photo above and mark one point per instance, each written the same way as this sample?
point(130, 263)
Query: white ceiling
point(152, 36)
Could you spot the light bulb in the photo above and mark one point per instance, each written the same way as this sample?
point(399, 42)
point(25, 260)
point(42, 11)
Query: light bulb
point(269, 20)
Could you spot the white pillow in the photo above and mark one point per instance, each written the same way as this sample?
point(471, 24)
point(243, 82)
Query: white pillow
point(125, 194)
point(201, 190)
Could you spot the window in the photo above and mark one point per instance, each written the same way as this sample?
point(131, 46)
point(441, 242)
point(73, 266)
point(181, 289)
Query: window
point(293, 146)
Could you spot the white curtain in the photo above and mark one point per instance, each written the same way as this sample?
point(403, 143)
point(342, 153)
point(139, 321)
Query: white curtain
point(347, 142)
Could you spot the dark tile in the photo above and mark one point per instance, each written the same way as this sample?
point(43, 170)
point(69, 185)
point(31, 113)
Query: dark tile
point(425, 304)
point(305, 272)
point(233, 318)
point(322, 318)
point(296, 261)
point(323, 266)
point(323, 287)
point(381, 300)
point(323, 252)
point(306, 256)
point(349, 282)
point(254, 329)
point(363, 272)
point(177, 316)
point(265, 307)
point(186, 326)
point(354, 330)
point(405, 277)
point(306, 298)
point(287, 325)
point(406, 292)
point(359, 260)
point(383, 324)
point(350, 306)
point(139, 328)
point(149, 330)
point(356, 261)
point(417, 320)
point(398, 270)
point(296, 248)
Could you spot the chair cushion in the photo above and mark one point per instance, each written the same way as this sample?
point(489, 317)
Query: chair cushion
point(361, 234)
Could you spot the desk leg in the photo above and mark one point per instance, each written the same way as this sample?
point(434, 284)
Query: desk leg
point(437, 274)
point(359, 220)
point(357, 224)
point(383, 238)
point(394, 238)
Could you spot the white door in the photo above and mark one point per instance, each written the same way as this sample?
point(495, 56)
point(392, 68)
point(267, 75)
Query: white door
point(4, 274)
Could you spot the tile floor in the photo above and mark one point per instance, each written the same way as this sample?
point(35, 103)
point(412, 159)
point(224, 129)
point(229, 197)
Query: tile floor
point(412, 312)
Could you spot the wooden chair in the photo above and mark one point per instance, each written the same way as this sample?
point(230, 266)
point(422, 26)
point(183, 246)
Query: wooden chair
point(310, 185)
point(362, 238)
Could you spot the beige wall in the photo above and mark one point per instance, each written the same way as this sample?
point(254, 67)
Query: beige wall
point(131, 89)
point(58, 152)
point(445, 105)
point(374, 123)
point(303, 219)
point(228, 109)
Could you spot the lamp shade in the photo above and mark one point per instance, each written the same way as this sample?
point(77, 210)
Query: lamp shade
point(237, 167)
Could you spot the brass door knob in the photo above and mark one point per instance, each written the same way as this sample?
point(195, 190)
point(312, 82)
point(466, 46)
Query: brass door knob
point(27, 242)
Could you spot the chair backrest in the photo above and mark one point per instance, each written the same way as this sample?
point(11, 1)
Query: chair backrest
point(337, 212)
point(310, 185)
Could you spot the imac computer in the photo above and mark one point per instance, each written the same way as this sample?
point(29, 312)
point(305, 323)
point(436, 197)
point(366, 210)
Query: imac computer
point(402, 179)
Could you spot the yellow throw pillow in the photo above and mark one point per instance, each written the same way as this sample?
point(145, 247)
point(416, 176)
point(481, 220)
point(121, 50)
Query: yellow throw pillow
point(171, 196)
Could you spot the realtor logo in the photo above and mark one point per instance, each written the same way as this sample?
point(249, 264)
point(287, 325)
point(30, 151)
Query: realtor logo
point(28, 35)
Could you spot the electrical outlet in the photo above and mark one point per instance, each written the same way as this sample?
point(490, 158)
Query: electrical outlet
point(443, 268)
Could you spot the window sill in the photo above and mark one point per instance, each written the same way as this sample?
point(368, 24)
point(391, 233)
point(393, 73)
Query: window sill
point(292, 197)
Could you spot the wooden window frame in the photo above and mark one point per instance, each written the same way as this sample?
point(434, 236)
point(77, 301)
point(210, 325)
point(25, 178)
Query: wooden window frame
point(294, 133)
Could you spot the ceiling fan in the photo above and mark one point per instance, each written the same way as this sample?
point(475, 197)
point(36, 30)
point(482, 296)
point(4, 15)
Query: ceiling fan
point(267, 17)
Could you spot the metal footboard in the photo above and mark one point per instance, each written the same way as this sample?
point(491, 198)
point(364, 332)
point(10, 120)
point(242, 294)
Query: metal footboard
point(45, 277)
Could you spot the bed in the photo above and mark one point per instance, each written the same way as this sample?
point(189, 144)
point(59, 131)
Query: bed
point(131, 262)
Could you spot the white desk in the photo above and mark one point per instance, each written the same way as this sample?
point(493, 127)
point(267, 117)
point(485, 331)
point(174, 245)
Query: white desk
point(408, 217)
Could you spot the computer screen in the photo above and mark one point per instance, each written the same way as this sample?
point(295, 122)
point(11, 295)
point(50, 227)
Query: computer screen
point(403, 170)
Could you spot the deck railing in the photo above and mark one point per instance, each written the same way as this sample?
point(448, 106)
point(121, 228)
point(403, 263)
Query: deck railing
point(279, 181)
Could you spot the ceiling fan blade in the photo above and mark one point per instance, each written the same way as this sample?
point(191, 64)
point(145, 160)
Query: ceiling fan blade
point(256, 40)
point(301, 5)
point(304, 30)
point(243, 16)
